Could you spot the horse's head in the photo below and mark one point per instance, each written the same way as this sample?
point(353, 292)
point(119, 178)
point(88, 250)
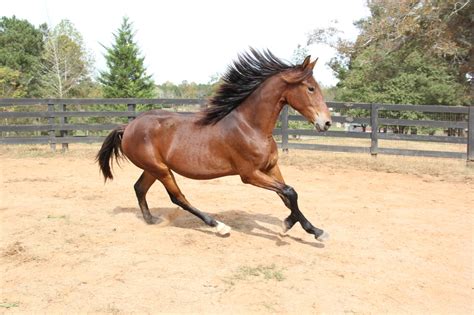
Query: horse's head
point(304, 95)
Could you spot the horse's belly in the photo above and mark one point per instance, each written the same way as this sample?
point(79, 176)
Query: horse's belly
point(199, 168)
point(198, 157)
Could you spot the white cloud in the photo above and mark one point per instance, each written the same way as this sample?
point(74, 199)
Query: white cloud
point(192, 40)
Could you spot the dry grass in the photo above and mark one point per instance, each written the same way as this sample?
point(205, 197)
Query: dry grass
point(411, 145)
point(441, 168)
point(87, 151)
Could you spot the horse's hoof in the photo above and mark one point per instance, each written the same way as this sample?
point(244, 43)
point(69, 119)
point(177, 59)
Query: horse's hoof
point(323, 237)
point(222, 229)
point(284, 229)
point(154, 220)
point(150, 220)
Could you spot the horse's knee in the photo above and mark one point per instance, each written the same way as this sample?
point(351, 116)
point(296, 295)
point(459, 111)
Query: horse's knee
point(290, 193)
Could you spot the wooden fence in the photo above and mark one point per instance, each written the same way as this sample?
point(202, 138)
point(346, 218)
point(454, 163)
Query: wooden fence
point(54, 124)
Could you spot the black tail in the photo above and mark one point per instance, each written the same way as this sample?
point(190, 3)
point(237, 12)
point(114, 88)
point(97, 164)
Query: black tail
point(111, 147)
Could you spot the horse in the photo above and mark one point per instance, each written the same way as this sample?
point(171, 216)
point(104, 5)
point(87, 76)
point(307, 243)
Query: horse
point(231, 136)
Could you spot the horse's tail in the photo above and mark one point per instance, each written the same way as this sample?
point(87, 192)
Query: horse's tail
point(112, 147)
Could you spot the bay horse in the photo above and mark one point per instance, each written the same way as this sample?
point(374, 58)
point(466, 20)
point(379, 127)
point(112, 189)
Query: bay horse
point(232, 136)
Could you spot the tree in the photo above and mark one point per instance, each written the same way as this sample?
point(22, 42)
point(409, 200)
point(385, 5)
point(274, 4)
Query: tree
point(66, 64)
point(299, 54)
point(413, 52)
point(187, 90)
point(126, 75)
point(21, 46)
point(407, 52)
point(10, 83)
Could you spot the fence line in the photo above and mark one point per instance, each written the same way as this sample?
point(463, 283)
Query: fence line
point(58, 123)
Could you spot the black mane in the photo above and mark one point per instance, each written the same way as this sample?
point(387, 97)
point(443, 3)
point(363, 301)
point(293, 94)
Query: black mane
point(240, 80)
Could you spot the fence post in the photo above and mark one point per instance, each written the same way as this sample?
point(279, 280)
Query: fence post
point(63, 133)
point(470, 135)
point(284, 129)
point(374, 141)
point(132, 108)
point(52, 131)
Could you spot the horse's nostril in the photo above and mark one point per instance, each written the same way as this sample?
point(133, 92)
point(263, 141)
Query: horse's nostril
point(328, 124)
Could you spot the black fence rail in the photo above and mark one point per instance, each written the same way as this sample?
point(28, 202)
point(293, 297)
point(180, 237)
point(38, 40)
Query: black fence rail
point(458, 121)
point(64, 121)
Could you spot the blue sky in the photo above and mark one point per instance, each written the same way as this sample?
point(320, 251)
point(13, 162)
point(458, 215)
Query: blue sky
point(194, 40)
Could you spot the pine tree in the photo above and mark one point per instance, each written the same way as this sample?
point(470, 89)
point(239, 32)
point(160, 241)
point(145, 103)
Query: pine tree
point(126, 75)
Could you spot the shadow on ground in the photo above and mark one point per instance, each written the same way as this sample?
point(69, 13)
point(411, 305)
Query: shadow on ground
point(238, 220)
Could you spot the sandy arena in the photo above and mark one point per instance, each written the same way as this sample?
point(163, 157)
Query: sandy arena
point(401, 239)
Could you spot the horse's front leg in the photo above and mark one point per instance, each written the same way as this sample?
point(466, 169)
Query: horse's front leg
point(273, 180)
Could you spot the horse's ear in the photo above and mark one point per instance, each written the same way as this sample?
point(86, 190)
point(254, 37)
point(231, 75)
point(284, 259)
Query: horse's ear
point(305, 62)
point(302, 71)
point(312, 64)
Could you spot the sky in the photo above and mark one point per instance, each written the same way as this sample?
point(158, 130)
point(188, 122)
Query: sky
point(197, 40)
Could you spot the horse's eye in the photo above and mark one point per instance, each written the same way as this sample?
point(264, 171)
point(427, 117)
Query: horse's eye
point(310, 88)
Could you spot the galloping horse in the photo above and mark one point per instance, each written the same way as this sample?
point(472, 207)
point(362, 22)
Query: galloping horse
point(233, 136)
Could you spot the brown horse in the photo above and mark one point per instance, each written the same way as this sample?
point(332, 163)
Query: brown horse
point(233, 136)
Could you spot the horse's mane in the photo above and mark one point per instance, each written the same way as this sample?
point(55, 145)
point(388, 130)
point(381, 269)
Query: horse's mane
point(241, 79)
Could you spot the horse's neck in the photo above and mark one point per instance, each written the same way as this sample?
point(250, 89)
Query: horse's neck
point(262, 108)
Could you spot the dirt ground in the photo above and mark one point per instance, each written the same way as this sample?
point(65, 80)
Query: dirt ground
point(401, 239)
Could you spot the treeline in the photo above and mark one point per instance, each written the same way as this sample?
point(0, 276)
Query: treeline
point(52, 61)
point(407, 52)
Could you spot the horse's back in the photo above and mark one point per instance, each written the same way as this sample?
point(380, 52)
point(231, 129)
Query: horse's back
point(177, 141)
point(148, 135)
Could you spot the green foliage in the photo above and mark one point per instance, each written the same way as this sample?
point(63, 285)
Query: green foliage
point(399, 78)
point(126, 75)
point(407, 52)
point(329, 93)
point(66, 64)
point(10, 83)
point(21, 45)
point(186, 90)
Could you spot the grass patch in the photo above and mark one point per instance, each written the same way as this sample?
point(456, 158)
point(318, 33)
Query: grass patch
point(9, 305)
point(262, 272)
point(57, 217)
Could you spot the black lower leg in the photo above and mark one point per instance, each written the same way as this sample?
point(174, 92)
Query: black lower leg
point(290, 221)
point(296, 215)
point(308, 227)
point(140, 191)
point(203, 216)
point(285, 200)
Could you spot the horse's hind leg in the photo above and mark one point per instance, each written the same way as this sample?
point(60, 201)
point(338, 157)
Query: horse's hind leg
point(178, 198)
point(141, 188)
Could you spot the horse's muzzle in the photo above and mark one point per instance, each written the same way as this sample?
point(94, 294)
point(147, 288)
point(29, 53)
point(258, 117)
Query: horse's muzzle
point(322, 125)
